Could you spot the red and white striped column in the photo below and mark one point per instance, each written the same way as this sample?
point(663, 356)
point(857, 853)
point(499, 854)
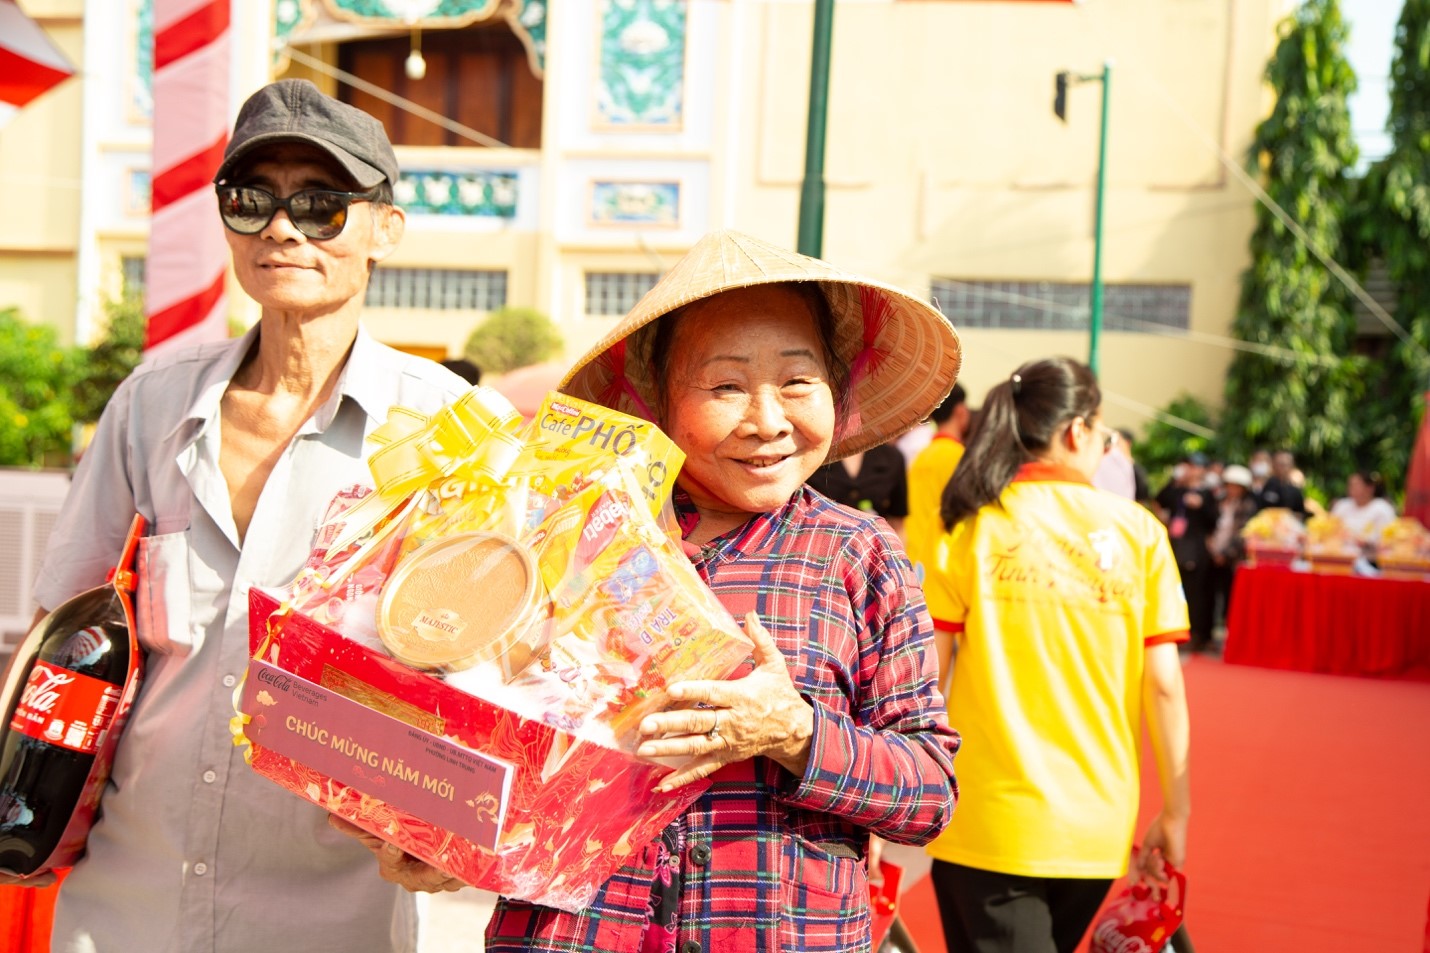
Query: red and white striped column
point(188, 258)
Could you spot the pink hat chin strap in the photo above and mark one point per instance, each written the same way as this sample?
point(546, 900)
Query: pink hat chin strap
point(613, 359)
point(876, 310)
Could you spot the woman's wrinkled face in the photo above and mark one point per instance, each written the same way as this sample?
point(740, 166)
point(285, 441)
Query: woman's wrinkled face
point(748, 399)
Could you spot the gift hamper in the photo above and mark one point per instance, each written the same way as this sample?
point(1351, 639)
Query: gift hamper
point(1330, 545)
point(1403, 551)
point(1273, 538)
point(461, 666)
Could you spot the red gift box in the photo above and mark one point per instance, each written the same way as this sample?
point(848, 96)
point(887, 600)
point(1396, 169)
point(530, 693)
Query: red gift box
point(503, 802)
point(1270, 557)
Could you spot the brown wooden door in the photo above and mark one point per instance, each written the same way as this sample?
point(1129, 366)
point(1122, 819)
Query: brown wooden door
point(478, 76)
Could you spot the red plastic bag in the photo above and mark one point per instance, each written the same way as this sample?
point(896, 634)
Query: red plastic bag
point(884, 900)
point(1142, 918)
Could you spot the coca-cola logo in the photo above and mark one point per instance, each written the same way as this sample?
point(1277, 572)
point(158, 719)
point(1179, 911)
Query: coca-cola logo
point(1108, 938)
point(277, 679)
point(44, 688)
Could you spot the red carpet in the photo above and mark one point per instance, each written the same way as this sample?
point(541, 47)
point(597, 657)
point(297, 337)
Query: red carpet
point(1311, 815)
point(1311, 829)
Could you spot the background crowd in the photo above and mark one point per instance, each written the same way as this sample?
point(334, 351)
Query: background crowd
point(1204, 502)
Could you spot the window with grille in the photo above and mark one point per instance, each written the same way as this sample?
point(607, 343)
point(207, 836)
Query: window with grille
point(616, 292)
point(1061, 306)
point(131, 268)
point(438, 289)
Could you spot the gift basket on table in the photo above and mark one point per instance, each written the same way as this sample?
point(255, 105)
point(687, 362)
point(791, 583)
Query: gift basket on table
point(462, 664)
point(1403, 551)
point(1331, 547)
point(1273, 538)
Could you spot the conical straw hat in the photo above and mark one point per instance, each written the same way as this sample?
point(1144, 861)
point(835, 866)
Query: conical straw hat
point(903, 354)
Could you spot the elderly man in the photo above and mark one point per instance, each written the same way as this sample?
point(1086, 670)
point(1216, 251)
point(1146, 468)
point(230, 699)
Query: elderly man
point(232, 452)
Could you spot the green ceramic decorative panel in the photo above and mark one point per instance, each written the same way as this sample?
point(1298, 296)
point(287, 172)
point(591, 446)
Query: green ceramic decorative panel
point(481, 194)
point(287, 14)
point(143, 96)
point(642, 71)
point(532, 20)
point(635, 203)
point(140, 191)
point(409, 11)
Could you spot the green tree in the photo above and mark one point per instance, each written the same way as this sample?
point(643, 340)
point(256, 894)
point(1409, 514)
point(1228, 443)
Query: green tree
point(1303, 397)
point(510, 338)
point(37, 375)
point(1398, 225)
point(1166, 443)
point(112, 359)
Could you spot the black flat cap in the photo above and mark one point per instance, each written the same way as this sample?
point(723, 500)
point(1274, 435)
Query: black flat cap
point(294, 110)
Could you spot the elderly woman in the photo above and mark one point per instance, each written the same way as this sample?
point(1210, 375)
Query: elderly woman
point(760, 365)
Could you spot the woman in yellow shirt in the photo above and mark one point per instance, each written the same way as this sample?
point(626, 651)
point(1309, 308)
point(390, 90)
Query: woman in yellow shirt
point(1066, 607)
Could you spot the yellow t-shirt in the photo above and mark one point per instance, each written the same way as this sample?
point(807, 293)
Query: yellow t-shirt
point(1054, 593)
point(928, 475)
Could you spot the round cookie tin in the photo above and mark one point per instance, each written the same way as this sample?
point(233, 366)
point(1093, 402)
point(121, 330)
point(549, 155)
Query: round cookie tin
point(458, 601)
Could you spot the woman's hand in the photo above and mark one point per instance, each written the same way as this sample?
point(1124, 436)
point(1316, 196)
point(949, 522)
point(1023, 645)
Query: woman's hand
point(1164, 843)
point(396, 866)
point(760, 714)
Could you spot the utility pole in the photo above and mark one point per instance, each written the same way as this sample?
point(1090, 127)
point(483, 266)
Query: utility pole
point(811, 190)
point(1063, 80)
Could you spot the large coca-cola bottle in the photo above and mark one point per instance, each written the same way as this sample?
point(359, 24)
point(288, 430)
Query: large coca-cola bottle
point(64, 700)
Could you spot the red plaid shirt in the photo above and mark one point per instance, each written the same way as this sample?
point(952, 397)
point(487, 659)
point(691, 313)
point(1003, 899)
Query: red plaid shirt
point(771, 861)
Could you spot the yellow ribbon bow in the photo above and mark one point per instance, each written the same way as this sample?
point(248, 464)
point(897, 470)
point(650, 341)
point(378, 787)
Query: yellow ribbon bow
point(474, 438)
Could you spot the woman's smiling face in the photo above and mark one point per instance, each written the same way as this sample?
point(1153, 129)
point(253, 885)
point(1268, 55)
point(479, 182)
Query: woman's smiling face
point(748, 399)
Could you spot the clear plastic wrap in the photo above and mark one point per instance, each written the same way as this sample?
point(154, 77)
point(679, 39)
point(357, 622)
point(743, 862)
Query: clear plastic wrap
point(504, 581)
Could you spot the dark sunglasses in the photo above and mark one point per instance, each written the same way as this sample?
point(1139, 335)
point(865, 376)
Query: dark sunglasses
point(319, 214)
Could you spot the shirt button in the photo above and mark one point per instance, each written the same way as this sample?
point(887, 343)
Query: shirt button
point(700, 854)
point(201, 868)
point(229, 681)
point(210, 777)
point(690, 946)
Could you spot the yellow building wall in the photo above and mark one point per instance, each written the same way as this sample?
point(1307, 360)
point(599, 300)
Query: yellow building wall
point(41, 286)
point(39, 176)
point(944, 159)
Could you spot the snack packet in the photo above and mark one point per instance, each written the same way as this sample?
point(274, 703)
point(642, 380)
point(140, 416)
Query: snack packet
point(629, 616)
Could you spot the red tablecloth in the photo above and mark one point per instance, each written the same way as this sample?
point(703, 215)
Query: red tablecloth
point(1340, 625)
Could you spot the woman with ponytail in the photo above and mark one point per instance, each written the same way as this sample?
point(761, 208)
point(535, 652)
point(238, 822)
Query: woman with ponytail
point(1066, 611)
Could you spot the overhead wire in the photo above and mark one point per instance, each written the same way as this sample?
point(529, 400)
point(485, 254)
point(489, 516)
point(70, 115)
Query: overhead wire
point(1270, 351)
point(1262, 196)
point(392, 99)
